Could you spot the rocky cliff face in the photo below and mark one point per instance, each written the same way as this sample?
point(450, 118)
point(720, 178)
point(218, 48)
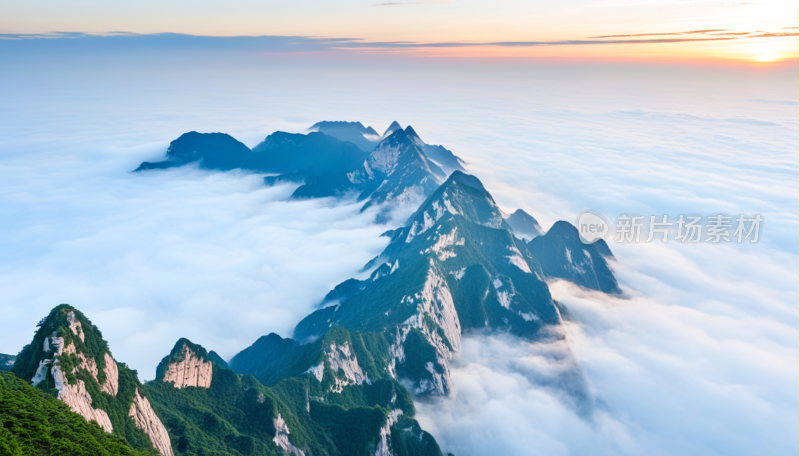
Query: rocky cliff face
point(341, 357)
point(191, 370)
point(111, 385)
point(73, 393)
point(69, 358)
point(79, 400)
point(384, 447)
point(146, 420)
point(188, 364)
point(282, 438)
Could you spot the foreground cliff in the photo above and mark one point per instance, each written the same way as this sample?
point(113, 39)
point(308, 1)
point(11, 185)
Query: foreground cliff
point(33, 422)
point(337, 409)
point(342, 405)
point(69, 359)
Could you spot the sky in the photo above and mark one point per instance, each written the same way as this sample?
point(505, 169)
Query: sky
point(697, 30)
point(698, 358)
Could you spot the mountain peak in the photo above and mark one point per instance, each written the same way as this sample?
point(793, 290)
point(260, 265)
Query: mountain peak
point(69, 355)
point(562, 255)
point(188, 364)
point(66, 330)
point(413, 136)
point(337, 124)
point(462, 194)
point(395, 149)
point(524, 225)
point(212, 150)
point(363, 137)
point(392, 128)
point(470, 181)
point(563, 228)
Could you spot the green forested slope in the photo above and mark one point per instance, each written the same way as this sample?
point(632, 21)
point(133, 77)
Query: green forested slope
point(35, 423)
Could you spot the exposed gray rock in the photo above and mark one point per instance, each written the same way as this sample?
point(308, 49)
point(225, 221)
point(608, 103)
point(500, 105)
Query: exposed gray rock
point(342, 357)
point(111, 386)
point(384, 447)
point(78, 399)
point(190, 371)
point(146, 419)
point(282, 438)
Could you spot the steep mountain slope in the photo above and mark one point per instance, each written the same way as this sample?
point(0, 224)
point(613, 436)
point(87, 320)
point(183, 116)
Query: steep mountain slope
point(69, 359)
point(393, 127)
point(364, 137)
point(32, 422)
point(455, 266)
point(313, 153)
point(524, 225)
point(562, 255)
point(443, 157)
point(334, 408)
point(396, 171)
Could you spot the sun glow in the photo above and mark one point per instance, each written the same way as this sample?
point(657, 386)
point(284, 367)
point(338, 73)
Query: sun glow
point(768, 50)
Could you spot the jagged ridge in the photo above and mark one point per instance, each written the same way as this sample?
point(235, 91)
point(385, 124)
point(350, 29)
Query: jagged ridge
point(455, 266)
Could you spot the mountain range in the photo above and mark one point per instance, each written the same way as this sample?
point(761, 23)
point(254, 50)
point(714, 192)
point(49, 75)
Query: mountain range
point(346, 381)
point(334, 159)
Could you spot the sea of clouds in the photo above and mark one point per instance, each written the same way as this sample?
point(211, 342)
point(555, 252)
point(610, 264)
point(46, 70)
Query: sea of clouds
point(699, 357)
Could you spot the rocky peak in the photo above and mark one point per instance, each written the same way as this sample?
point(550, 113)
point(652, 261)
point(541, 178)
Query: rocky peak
point(524, 225)
point(355, 132)
point(436, 153)
point(213, 151)
point(392, 151)
point(188, 364)
point(562, 255)
point(392, 128)
point(66, 352)
point(455, 266)
point(413, 136)
point(462, 194)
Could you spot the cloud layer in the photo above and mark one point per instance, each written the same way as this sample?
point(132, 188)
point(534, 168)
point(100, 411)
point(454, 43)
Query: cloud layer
point(153, 257)
point(15, 42)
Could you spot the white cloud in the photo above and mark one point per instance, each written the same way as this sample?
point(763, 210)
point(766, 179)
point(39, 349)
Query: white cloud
point(215, 257)
point(672, 371)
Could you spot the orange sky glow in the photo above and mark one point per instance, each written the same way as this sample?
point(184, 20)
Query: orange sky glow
point(757, 32)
